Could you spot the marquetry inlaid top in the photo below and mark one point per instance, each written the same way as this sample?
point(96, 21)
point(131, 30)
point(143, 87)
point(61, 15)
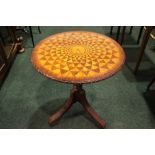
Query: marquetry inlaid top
point(78, 57)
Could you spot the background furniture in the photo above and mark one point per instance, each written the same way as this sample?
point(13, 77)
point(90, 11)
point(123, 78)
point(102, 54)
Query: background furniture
point(24, 29)
point(122, 33)
point(31, 33)
point(150, 84)
point(9, 46)
point(147, 33)
point(143, 46)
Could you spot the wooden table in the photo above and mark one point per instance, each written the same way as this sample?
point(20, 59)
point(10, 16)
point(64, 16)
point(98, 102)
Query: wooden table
point(78, 57)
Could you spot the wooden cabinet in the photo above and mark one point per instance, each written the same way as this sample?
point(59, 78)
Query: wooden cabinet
point(10, 44)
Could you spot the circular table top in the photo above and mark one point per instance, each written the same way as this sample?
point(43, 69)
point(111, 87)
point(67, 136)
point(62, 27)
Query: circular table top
point(78, 57)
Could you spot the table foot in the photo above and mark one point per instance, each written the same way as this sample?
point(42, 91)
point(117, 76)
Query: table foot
point(57, 115)
point(100, 122)
point(87, 107)
point(77, 94)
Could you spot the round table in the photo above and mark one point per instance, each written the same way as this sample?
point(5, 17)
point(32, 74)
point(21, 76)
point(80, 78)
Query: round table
point(78, 57)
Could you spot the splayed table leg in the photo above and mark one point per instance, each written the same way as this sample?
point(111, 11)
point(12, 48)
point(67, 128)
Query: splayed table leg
point(77, 94)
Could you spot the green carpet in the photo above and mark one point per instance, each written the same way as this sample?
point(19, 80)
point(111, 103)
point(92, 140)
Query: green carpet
point(27, 98)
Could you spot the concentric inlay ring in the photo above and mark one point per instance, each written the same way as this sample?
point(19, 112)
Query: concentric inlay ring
point(78, 57)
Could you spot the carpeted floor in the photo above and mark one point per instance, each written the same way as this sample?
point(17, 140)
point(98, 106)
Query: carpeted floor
point(27, 98)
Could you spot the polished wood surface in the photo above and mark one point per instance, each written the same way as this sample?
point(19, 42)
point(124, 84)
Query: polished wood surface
point(78, 57)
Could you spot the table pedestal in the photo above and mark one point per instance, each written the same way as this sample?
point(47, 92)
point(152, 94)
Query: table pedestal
point(77, 94)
